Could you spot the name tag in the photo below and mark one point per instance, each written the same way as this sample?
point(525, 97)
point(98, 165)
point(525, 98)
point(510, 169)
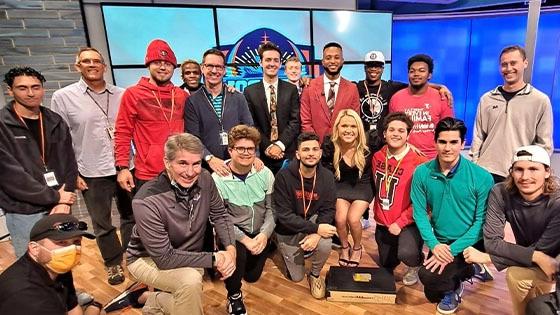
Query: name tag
point(223, 138)
point(110, 132)
point(385, 204)
point(50, 178)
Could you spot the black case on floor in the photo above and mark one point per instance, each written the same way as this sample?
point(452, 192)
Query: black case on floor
point(341, 286)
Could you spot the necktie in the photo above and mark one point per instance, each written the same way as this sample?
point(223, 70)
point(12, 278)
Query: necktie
point(273, 120)
point(331, 98)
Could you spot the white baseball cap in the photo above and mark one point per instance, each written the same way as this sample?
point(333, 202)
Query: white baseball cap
point(374, 56)
point(533, 153)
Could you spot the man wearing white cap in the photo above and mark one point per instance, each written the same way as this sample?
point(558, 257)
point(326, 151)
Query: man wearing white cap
point(529, 199)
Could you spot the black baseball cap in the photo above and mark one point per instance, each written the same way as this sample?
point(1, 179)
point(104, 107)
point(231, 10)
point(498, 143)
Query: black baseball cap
point(59, 227)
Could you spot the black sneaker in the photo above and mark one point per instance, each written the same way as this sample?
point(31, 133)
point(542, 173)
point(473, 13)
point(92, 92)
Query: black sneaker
point(115, 275)
point(235, 305)
point(128, 297)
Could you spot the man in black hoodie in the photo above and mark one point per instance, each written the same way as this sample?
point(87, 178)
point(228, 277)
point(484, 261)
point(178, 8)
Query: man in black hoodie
point(304, 205)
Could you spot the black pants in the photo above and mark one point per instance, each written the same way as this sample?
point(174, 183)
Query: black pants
point(436, 285)
point(548, 304)
point(248, 267)
point(405, 247)
point(98, 198)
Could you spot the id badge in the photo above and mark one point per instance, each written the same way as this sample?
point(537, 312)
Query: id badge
point(223, 138)
point(50, 178)
point(110, 132)
point(385, 204)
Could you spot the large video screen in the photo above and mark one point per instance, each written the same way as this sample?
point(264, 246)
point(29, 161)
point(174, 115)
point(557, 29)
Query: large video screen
point(466, 56)
point(238, 32)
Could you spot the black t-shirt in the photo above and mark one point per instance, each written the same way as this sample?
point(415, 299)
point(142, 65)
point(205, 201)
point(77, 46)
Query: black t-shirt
point(375, 107)
point(509, 95)
point(35, 129)
point(26, 288)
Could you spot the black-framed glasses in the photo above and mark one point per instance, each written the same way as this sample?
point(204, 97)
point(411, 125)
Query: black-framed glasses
point(69, 226)
point(241, 150)
point(217, 67)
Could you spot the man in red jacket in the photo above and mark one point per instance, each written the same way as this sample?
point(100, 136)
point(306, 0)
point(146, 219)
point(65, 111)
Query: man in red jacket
point(149, 113)
point(328, 94)
point(397, 237)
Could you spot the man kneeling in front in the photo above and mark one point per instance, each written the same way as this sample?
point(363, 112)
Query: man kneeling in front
point(166, 247)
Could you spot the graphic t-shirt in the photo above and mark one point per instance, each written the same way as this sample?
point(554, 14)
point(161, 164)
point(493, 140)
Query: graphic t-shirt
point(426, 111)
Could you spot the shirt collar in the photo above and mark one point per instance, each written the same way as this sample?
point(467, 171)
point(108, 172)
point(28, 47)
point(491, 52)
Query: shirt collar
point(267, 85)
point(399, 156)
point(209, 95)
point(82, 85)
point(327, 80)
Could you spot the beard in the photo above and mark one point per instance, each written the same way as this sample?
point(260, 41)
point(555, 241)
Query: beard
point(418, 87)
point(310, 165)
point(334, 73)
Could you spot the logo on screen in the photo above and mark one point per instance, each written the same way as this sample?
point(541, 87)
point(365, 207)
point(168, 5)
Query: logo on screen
point(244, 58)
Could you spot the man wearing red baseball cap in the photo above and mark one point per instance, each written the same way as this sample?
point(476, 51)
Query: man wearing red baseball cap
point(41, 282)
point(149, 113)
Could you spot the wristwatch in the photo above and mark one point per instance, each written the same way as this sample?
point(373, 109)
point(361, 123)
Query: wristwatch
point(208, 157)
point(120, 168)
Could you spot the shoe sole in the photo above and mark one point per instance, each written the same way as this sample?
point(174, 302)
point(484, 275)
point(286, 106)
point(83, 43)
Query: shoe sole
point(446, 312)
point(407, 283)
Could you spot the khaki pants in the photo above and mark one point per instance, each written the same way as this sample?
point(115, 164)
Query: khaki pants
point(182, 288)
point(525, 284)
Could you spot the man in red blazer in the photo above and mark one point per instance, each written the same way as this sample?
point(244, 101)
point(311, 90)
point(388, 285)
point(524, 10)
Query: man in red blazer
point(328, 94)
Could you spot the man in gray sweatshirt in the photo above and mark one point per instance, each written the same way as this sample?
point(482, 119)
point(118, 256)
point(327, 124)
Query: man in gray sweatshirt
point(511, 115)
point(529, 200)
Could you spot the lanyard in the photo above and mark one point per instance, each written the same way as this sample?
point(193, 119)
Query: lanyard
point(376, 95)
point(220, 118)
point(307, 206)
point(42, 131)
point(106, 111)
point(168, 120)
point(389, 179)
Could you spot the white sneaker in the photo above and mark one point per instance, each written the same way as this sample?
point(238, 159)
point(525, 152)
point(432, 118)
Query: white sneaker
point(411, 276)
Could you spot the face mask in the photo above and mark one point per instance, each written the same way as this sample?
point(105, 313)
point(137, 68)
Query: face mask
point(64, 259)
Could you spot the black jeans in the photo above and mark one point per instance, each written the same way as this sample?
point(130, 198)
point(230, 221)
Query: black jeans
point(406, 247)
point(436, 285)
point(248, 267)
point(98, 198)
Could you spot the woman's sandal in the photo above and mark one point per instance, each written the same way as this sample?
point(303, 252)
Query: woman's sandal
point(352, 262)
point(344, 261)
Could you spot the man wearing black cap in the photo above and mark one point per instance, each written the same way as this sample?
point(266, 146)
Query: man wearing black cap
point(41, 282)
point(149, 113)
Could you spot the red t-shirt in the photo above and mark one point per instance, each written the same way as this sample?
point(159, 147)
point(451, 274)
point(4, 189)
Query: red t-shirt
point(426, 111)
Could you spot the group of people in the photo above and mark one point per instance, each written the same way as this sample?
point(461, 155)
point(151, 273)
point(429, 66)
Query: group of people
point(207, 177)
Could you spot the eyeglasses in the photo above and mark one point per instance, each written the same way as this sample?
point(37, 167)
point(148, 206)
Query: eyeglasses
point(241, 150)
point(69, 226)
point(217, 67)
point(95, 62)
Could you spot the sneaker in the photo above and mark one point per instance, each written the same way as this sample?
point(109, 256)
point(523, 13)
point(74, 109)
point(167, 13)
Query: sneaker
point(411, 276)
point(115, 275)
point(128, 297)
point(365, 223)
point(235, 305)
point(451, 300)
point(482, 273)
point(317, 286)
point(307, 254)
point(83, 298)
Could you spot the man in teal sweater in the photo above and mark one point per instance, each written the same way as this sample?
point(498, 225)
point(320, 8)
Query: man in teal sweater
point(449, 197)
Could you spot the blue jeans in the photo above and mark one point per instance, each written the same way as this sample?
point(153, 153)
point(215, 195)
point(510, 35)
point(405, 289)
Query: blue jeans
point(19, 226)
